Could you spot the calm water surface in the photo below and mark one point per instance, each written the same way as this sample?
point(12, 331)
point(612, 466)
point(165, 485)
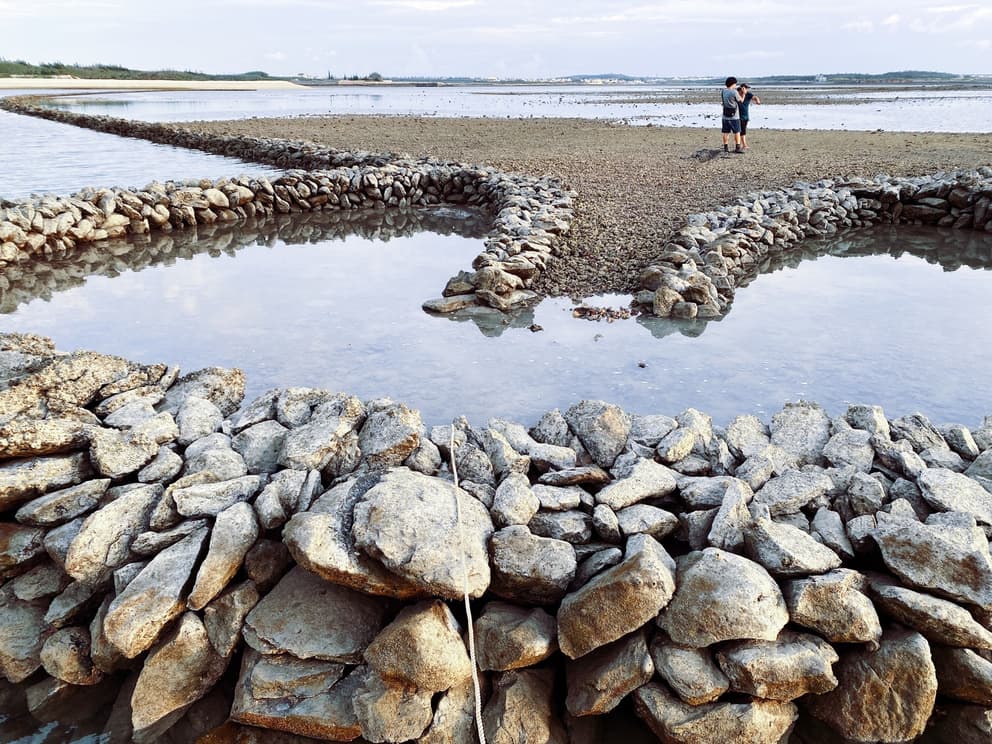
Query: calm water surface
point(898, 329)
point(45, 157)
point(891, 109)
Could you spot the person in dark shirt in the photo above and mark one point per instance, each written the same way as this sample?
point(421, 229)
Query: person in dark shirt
point(744, 108)
point(730, 121)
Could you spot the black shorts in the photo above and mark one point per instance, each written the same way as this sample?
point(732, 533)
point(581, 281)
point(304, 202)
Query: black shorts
point(731, 125)
point(744, 126)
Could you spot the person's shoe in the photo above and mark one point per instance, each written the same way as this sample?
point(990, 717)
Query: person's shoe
point(726, 149)
point(738, 150)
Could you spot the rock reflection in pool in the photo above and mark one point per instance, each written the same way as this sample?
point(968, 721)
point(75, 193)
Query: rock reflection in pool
point(331, 300)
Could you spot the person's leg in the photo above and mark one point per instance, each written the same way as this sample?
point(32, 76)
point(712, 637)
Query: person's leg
point(735, 126)
point(725, 129)
point(744, 133)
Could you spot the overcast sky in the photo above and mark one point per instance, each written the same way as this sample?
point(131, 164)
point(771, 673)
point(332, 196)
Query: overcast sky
point(504, 38)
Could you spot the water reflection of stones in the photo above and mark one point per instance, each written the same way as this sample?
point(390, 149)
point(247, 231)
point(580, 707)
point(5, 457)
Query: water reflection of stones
point(27, 281)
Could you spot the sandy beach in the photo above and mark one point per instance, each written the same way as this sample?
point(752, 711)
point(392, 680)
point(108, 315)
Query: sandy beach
point(34, 83)
point(635, 184)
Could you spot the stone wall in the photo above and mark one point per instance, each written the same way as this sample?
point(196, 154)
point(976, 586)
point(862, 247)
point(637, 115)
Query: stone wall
point(720, 251)
point(530, 215)
point(295, 565)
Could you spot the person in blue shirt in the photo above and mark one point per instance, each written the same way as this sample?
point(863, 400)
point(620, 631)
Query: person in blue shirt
point(744, 108)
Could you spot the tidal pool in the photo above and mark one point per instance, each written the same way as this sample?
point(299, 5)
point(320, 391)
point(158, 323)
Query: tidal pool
point(893, 316)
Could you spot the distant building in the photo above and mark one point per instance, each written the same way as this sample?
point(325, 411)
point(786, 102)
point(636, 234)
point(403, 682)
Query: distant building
point(820, 78)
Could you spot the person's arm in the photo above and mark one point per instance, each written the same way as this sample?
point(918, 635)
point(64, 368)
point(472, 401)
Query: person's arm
point(740, 95)
point(756, 100)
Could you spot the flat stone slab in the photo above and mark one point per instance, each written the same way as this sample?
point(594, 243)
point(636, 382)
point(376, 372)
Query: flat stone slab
point(285, 619)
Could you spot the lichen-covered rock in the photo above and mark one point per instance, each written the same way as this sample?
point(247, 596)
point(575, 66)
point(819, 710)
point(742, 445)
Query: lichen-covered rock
point(283, 620)
point(835, 605)
point(883, 695)
point(601, 679)
point(692, 673)
point(521, 708)
point(511, 637)
point(757, 722)
point(723, 597)
point(948, 555)
point(22, 635)
point(66, 656)
point(803, 430)
point(408, 522)
point(178, 671)
point(225, 388)
point(104, 539)
point(602, 428)
point(785, 550)
point(303, 697)
point(421, 647)
point(389, 435)
point(154, 597)
point(792, 490)
point(234, 533)
point(946, 490)
point(634, 591)
point(321, 541)
point(787, 668)
point(59, 507)
point(530, 568)
point(963, 675)
point(938, 620)
point(390, 710)
point(636, 482)
point(22, 480)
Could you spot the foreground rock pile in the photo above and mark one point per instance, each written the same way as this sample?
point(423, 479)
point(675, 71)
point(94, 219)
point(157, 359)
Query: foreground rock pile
point(296, 566)
point(720, 251)
point(530, 214)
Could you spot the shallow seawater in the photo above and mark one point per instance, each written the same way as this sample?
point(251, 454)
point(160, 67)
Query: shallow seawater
point(896, 316)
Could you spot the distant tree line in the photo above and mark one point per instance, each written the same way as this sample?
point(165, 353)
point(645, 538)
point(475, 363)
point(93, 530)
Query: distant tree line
point(113, 72)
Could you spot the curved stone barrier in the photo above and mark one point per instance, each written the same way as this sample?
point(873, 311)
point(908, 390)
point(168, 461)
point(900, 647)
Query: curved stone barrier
point(41, 278)
point(530, 215)
point(293, 565)
point(719, 251)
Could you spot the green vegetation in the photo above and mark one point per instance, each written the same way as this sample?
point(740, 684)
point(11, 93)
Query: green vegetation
point(114, 72)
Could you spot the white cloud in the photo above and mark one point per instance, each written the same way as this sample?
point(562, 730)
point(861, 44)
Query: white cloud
point(859, 27)
point(892, 20)
point(426, 6)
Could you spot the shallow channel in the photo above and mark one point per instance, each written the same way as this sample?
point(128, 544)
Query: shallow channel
point(894, 316)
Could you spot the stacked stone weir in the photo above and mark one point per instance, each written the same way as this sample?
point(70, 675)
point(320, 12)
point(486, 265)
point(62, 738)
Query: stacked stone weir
point(720, 251)
point(291, 565)
point(531, 215)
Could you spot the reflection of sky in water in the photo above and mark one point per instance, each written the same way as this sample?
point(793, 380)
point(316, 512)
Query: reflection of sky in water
point(346, 315)
point(907, 109)
point(45, 157)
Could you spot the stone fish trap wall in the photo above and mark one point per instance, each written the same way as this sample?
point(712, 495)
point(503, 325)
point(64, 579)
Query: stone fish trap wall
point(289, 566)
point(720, 251)
point(530, 214)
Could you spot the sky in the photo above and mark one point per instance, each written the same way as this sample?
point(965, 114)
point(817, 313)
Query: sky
point(504, 38)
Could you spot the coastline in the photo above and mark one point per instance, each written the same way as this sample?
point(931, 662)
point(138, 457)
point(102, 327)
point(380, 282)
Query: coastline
point(635, 185)
point(32, 83)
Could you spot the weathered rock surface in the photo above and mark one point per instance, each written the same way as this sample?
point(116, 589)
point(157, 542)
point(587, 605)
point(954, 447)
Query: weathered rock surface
point(602, 428)
point(644, 479)
point(882, 695)
point(723, 597)
point(22, 480)
point(787, 668)
point(511, 637)
point(602, 678)
point(234, 533)
point(760, 722)
point(282, 621)
point(154, 597)
point(178, 672)
point(421, 647)
point(521, 708)
point(637, 588)
point(692, 673)
point(529, 568)
point(408, 523)
point(835, 605)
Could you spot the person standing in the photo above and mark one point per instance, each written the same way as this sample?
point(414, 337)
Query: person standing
point(744, 109)
point(731, 121)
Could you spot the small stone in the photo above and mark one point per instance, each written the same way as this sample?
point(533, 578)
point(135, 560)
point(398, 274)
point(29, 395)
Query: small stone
point(835, 605)
point(789, 667)
point(691, 672)
point(601, 427)
point(530, 568)
point(521, 708)
point(234, 533)
point(601, 679)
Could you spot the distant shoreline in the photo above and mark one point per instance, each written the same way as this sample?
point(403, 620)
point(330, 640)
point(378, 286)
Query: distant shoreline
point(31, 83)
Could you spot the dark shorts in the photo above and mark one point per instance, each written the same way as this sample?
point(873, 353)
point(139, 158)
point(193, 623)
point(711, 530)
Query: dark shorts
point(731, 125)
point(744, 126)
